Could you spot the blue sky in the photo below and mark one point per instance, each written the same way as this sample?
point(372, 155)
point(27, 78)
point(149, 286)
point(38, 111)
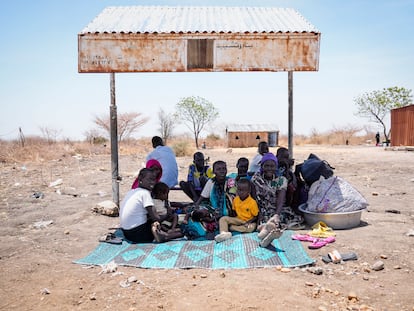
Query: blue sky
point(365, 46)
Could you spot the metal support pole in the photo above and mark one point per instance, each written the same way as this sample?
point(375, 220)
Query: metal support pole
point(290, 113)
point(114, 143)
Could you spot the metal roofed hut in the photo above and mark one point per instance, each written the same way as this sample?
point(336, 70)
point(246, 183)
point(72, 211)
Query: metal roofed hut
point(196, 39)
point(249, 135)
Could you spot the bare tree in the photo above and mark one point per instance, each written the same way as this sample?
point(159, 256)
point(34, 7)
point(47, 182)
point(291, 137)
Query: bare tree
point(94, 136)
point(128, 123)
point(197, 112)
point(346, 132)
point(50, 134)
point(167, 123)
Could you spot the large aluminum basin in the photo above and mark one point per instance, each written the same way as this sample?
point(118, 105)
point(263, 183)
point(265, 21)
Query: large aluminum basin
point(344, 220)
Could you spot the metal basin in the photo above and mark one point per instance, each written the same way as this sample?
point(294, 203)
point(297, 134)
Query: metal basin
point(345, 220)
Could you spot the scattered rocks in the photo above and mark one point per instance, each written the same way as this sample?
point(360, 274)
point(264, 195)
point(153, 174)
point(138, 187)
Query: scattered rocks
point(315, 270)
point(71, 191)
point(124, 284)
point(352, 296)
point(102, 193)
point(45, 291)
point(316, 292)
point(410, 233)
point(107, 208)
point(56, 183)
point(377, 266)
point(42, 224)
point(38, 195)
point(132, 279)
point(109, 268)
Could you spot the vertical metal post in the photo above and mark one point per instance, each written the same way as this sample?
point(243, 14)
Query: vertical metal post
point(290, 113)
point(114, 143)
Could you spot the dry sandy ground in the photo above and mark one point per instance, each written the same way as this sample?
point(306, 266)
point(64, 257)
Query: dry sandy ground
point(37, 272)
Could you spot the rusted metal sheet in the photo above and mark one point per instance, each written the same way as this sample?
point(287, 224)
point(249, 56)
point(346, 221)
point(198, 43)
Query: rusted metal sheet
point(130, 53)
point(294, 52)
point(402, 126)
point(169, 53)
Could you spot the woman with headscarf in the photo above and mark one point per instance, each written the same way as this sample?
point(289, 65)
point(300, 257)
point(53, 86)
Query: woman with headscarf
point(153, 165)
point(270, 194)
point(270, 189)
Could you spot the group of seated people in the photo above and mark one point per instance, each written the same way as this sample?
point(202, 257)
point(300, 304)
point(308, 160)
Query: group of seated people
point(258, 198)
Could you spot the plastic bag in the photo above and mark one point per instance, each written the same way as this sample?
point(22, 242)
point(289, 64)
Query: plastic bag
point(333, 195)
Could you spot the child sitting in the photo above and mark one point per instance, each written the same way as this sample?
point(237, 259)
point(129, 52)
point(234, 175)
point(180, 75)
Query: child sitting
point(246, 210)
point(198, 174)
point(162, 207)
point(285, 164)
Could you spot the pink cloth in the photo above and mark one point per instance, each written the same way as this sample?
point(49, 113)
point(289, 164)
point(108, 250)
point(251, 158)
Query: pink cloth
point(150, 164)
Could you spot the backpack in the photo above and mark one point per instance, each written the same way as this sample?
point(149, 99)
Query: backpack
point(313, 168)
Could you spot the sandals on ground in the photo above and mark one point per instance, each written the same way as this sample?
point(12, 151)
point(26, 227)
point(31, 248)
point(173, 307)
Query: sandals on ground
point(110, 238)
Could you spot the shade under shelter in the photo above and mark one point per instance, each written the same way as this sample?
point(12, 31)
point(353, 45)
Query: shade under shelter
point(196, 39)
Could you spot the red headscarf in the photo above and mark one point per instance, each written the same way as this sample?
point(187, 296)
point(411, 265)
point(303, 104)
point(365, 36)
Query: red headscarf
point(150, 164)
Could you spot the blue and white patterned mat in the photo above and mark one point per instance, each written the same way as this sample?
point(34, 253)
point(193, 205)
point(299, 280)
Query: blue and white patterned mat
point(240, 252)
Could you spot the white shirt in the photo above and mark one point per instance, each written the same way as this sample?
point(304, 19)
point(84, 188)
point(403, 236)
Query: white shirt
point(255, 163)
point(205, 193)
point(133, 212)
point(166, 156)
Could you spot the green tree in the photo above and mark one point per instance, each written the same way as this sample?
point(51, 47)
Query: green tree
point(377, 105)
point(196, 112)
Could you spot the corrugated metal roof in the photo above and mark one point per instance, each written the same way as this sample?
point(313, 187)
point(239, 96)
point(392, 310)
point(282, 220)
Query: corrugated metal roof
point(165, 19)
point(252, 128)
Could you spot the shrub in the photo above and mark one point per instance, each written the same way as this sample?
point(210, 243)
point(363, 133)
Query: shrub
point(182, 149)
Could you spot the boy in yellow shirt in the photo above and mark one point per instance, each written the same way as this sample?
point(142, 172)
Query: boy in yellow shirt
point(246, 210)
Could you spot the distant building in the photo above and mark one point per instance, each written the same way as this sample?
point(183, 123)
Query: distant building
point(402, 126)
point(249, 135)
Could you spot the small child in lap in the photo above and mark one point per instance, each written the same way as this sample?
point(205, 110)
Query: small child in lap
point(246, 210)
point(162, 207)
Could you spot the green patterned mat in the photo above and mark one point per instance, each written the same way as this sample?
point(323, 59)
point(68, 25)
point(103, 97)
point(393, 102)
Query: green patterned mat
point(240, 252)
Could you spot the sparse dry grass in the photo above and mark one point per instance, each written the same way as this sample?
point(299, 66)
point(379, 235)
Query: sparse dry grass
point(37, 149)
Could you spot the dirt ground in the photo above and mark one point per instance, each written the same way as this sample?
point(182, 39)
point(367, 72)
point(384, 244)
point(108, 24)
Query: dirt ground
point(37, 272)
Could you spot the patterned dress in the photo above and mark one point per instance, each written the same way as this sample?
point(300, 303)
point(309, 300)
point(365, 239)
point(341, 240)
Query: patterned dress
point(266, 194)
